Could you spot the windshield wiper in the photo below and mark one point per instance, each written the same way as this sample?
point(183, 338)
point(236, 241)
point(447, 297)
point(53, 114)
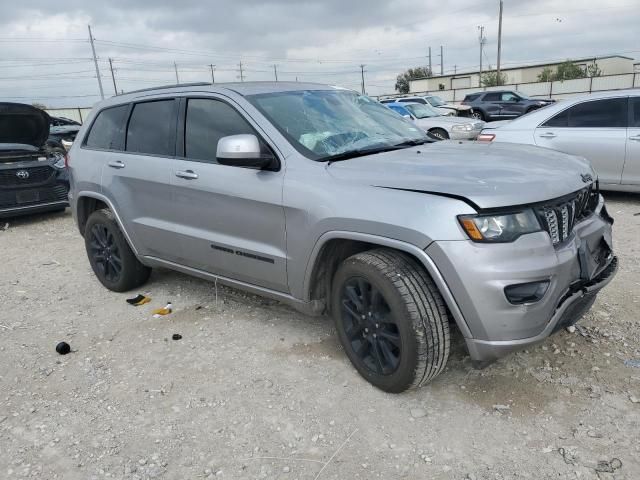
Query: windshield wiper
point(358, 152)
point(413, 143)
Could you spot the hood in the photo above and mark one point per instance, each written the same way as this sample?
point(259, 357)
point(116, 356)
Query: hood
point(458, 108)
point(22, 124)
point(486, 175)
point(446, 120)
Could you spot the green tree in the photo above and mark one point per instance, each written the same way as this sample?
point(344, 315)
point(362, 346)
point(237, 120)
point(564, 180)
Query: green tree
point(593, 70)
point(568, 71)
point(490, 79)
point(546, 75)
point(402, 80)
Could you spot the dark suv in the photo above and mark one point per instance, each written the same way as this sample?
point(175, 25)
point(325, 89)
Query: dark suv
point(502, 104)
point(32, 177)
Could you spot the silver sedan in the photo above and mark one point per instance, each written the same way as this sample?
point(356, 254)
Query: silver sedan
point(603, 127)
point(440, 126)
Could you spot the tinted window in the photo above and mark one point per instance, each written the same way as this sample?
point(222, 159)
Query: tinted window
point(560, 120)
point(207, 122)
point(152, 128)
point(107, 130)
point(635, 112)
point(599, 113)
point(471, 98)
point(399, 109)
point(492, 97)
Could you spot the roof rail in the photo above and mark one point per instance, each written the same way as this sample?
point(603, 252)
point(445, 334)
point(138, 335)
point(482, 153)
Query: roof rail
point(162, 87)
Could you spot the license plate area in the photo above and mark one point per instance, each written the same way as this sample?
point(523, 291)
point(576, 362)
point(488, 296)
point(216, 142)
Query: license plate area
point(27, 196)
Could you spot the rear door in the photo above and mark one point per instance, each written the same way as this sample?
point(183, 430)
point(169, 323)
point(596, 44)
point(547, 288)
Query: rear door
point(594, 129)
point(138, 179)
point(231, 218)
point(631, 172)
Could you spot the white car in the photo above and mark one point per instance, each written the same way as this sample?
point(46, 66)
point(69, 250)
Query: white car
point(437, 104)
point(442, 127)
point(602, 127)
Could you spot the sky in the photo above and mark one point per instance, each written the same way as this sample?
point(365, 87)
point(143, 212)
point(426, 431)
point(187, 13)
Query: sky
point(45, 55)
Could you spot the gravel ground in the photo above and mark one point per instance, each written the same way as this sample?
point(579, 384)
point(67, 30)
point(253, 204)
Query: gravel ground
point(256, 390)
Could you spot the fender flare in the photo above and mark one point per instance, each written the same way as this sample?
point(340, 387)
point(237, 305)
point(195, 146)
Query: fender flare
point(409, 248)
point(104, 199)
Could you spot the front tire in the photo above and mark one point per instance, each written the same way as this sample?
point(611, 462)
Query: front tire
point(110, 256)
point(439, 133)
point(391, 319)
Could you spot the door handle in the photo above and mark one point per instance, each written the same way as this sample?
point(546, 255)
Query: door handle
point(116, 164)
point(635, 137)
point(547, 135)
point(187, 174)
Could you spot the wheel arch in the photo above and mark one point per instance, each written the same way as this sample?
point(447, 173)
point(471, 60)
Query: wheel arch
point(334, 247)
point(89, 202)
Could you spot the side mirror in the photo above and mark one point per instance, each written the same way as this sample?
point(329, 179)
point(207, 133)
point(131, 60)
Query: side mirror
point(66, 144)
point(242, 151)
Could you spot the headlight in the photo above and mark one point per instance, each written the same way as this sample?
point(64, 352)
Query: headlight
point(466, 127)
point(499, 228)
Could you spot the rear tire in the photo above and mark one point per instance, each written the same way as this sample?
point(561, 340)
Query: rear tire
point(110, 256)
point(478, 115)
point(391, 319)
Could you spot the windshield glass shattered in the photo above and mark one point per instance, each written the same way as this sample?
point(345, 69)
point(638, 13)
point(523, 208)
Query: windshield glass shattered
point(321, 124)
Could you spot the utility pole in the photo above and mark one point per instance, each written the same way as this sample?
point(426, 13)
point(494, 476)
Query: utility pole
point(482, 41)
point(241, 74)
point(275, 72)
point(175, 67)
point(455, 69)
point(362, 72)
point(499, 45)
point(430, 69)
point(213, 75)
point(441, 61)
point(113, 77)
point(95, 61)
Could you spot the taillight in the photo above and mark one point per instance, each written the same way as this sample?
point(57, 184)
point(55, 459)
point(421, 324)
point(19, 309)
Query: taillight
point(486, 137)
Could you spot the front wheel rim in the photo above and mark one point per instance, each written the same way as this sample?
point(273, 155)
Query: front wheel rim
point(105, 252)
point(370, 328)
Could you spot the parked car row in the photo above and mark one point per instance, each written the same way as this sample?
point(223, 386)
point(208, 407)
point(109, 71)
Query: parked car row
point(436, 103)
point(441, 127)
point(502, 105)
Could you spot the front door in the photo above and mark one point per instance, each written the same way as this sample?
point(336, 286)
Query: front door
point(511, 105)
point(631, 172)
point(232, 219)
point(595, 130)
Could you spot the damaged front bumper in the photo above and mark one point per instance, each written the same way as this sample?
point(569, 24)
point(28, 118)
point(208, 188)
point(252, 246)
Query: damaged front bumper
point(478, 276)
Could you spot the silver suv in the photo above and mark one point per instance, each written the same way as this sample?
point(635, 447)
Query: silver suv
point(328, 201)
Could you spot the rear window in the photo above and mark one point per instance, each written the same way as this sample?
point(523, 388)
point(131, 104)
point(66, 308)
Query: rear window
point(107, 131)
point(152, 128)
point(492, 97)
point(635, 112)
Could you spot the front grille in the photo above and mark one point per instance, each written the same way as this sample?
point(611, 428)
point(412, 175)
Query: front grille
point(35, 176)
point(33, 196)
point(558, 218)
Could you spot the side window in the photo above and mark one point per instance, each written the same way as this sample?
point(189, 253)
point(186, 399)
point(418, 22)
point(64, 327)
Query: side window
point(152, 128)
point(635, 112)
point(107, 131)
point(207, 122)
point(492, 97)
point(509, 97)
point(608, 113)
point(560, 120)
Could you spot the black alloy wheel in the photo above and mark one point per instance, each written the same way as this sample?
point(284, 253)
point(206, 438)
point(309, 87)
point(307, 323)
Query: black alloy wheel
point(105, 252)
point(370, 327)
